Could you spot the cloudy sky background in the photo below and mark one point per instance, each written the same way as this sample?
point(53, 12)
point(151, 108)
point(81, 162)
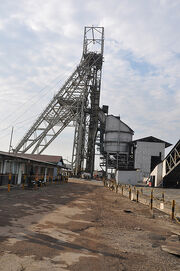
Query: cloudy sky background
point(41, 43)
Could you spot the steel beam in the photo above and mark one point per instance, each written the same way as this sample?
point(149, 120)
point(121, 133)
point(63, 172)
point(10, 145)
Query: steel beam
point(77, 101)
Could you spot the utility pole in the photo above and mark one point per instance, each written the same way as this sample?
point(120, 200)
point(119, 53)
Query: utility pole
point(10, 143)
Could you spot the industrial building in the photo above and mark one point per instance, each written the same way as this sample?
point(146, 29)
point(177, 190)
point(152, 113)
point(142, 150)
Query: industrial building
point(36, 166)
point(130, 160)
point(77, 103)
point(118, 148)
point(136, 161)
point(167, 172)
point(149, 152)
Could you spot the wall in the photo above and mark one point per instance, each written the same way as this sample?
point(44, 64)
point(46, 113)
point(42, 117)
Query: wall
point(117, 135)
point(128, 177)
point(143, 153)
point(159, 172)
point(18, 168)
point(164, 168)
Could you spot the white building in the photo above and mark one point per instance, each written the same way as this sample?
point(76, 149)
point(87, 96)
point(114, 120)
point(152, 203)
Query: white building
point(131, 177)
point(158, 173)
point(167, 173)
point(149, 152)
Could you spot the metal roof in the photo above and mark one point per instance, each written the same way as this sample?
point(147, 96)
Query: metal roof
point(43, 158)
point(26, 157)
point(118, 117)
point(153, 139)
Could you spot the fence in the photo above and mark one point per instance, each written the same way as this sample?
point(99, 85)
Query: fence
point(136, 194)
point(30, 181)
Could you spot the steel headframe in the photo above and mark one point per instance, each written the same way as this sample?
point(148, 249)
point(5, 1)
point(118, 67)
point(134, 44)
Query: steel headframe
point(77, 100)
point(87, 120)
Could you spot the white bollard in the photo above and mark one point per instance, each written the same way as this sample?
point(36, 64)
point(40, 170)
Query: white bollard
point(161, 205)
point(132, 196)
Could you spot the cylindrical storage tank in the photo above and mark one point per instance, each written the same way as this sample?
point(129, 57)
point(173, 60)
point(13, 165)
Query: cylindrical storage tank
point(117, 135)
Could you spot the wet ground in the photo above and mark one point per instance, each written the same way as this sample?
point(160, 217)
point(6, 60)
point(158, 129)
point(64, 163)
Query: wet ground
point(81, 226)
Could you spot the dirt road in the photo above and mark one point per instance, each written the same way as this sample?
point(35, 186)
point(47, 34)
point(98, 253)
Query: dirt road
point(81, 226)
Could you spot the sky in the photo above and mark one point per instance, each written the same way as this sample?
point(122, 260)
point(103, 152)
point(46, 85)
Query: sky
point(41, 44)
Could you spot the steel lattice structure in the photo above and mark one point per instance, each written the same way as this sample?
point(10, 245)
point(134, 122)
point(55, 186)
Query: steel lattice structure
point(173, 158)
point(77, 100)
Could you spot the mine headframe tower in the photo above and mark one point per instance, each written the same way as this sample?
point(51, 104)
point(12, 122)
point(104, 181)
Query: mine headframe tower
point(77, 101)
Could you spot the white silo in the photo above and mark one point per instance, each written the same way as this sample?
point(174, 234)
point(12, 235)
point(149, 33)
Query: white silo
point(118, 136)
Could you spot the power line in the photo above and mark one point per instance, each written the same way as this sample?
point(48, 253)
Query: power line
point(27, 101)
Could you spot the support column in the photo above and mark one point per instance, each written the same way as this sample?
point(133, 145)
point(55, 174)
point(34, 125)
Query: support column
point(45, 174)
point(19, 174)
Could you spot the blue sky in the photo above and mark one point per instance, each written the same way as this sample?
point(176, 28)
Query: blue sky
point(41, 43)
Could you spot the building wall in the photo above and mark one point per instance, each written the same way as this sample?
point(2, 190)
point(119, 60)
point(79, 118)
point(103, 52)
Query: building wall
point(159, 172)
point(18, 168)
point(143, 153)
point(128, 177)
point(1, 167)
point(117, 135)
point(164, 168)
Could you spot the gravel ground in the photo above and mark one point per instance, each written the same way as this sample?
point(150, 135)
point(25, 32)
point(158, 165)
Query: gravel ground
point(81, 226)
point(169, 193)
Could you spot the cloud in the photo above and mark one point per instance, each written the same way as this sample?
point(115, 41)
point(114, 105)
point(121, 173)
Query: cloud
point(41, 42)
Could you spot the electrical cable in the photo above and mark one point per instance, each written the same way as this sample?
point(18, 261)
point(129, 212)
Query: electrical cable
point(56, 84)
point(31, 100)
point(27, 109)
point(21, 127)
point(14, 122)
